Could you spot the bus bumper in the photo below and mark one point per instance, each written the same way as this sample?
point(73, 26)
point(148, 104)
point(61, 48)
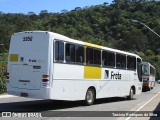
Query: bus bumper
point(42, 93)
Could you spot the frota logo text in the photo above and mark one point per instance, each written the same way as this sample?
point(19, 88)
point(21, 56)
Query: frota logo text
point(115, 75)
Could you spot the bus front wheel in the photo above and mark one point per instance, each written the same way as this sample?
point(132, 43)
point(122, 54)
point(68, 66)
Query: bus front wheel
point(90, 97)
point(131, 93)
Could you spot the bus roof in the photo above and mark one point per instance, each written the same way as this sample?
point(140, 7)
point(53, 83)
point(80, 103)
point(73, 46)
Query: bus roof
point(65, 38)
point(148, 63)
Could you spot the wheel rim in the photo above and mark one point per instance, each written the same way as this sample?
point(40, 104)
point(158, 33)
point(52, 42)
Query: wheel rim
point(89, 96)
point(131, 94)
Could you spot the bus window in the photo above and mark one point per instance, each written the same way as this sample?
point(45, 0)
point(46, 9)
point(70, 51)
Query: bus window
point(70, 52)
point(104, 58)
point(79, 50)
point(152, 71)
point(97, 57)
point(111, 59)
point(74, 53)
point(59, 51)
point(120, 61)
point(93, 56)
point(138, 62)
point(123, 61)
point(131, 62)
point(108, 59)
point(139, 69)
point(89, 56)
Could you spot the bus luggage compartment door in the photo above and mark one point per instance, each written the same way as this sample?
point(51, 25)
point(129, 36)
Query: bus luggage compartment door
point(24, 77)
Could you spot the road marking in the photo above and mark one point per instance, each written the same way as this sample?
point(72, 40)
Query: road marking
point(144, 105)
point(6, 96)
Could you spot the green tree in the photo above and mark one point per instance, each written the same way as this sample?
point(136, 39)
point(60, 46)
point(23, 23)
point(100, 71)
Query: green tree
point(149, 53)
point(134, 40)
point(3, 72)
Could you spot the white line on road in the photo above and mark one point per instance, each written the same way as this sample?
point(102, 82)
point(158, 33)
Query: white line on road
point(144, 105)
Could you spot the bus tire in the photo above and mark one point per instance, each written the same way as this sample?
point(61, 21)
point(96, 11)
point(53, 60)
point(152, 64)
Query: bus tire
point(149, 88)
point(90, 97)
point(131, 93)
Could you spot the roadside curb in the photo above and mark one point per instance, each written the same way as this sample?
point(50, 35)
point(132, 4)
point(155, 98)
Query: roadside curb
point(6, 96)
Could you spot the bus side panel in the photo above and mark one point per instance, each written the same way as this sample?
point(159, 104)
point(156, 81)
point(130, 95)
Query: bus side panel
point(69, 83)
point(64, 79)
point(62, 90)
point(68, 71)
point(113, 85)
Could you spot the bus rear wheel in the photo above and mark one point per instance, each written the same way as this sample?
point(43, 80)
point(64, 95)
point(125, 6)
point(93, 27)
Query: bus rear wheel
point(149, 88)
point(131, 93)
point(90, 97)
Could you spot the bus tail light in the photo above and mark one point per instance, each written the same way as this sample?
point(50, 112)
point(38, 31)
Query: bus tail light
point(7, 76)
point(45, 76)
point(45, 80)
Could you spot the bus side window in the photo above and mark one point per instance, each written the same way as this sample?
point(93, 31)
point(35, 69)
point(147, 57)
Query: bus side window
point(108, 59)
point(131, 63)
point(74, 53)
point(111, 59)
point(89, 55)
point(93, 56)
point(104, 58)
point(70, 52)
point(79, 51)
point(59, 51)
point(97, 57)
point(152, 71)
point(123, 61)
point(138, 62)
point(120, 61)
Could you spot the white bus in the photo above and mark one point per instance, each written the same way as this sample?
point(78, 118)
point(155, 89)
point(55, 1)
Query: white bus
point(48, 65)
point(148, 75)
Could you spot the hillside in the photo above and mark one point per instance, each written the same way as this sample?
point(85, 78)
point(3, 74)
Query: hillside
point(107, 25)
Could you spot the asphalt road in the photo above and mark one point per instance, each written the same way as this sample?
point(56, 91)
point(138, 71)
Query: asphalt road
point(66, 110)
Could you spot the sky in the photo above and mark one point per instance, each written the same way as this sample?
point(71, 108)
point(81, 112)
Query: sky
point(25, 6)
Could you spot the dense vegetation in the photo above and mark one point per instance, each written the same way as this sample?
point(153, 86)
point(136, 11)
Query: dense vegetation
point(107, 25)
point(3, 72)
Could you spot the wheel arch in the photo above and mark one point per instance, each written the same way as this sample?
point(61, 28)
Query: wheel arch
point(134, 89)
point(94, 89)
